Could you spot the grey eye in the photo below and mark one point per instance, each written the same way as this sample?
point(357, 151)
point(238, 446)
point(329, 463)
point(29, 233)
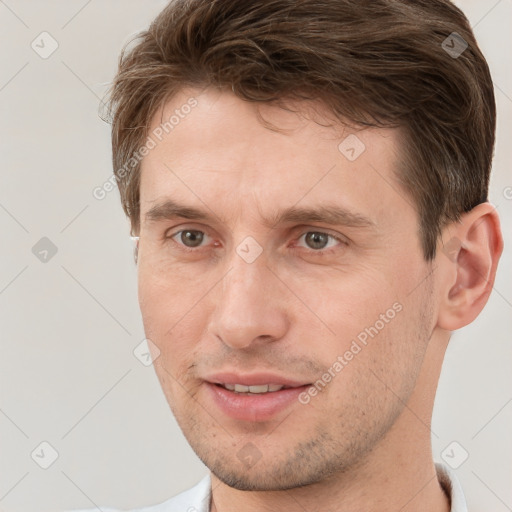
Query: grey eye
point(316, 240)
point(191, 237)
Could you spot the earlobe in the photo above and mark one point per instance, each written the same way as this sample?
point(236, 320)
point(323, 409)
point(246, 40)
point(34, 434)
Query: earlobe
point(467, 257)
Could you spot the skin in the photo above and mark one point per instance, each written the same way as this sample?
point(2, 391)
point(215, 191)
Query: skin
point(363, 442)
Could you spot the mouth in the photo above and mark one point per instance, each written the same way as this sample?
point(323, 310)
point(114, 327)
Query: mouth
point(255, 398)
point(254, 390)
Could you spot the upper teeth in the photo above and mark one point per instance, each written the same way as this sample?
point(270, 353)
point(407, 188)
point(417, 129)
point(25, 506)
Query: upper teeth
point(264, 388)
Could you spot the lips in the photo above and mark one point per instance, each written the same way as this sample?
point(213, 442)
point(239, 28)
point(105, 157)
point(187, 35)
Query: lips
point(253, 397)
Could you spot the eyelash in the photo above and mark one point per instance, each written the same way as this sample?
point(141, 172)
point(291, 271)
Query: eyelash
point(322, 252)
point(313, 251)
point(184, 247)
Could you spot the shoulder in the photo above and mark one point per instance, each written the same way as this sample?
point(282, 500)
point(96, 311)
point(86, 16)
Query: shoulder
point(195, 499)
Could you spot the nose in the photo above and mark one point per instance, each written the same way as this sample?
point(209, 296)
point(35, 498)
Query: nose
point(249, 309)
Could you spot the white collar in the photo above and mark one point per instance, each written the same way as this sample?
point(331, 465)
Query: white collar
point(197, 498)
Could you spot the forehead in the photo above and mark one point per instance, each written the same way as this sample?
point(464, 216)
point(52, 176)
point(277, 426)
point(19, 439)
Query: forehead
point(213, 150)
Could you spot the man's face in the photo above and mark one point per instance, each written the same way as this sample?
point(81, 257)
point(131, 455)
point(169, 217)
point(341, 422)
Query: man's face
point(257, 282)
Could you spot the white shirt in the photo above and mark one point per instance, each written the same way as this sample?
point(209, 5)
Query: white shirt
point(197, 499)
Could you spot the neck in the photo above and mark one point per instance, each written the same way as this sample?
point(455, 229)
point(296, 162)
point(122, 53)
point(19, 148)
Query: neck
point(397, 475)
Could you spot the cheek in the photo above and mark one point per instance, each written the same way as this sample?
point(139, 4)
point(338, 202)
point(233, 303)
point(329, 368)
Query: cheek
point(374, 370)
point(168, 292)
point(350, 301)
point(375, 325)
point(173, 315)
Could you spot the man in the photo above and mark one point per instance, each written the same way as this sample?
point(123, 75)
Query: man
point(307, 184)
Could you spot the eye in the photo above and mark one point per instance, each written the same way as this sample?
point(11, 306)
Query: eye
point(189, 238)
point(319, 241)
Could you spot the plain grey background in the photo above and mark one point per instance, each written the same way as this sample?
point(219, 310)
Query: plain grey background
point(69, 321)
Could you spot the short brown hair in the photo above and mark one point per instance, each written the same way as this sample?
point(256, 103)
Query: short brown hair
point(382, 63)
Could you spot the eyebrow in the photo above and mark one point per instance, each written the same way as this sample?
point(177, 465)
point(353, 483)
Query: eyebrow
point(170, 209)
point(328, 214)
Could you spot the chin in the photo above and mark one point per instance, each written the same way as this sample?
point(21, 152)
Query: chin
point(304, 464)
point(243, 481)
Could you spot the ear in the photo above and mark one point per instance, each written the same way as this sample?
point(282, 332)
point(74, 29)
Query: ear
point(467, 259)
point(135, 240)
